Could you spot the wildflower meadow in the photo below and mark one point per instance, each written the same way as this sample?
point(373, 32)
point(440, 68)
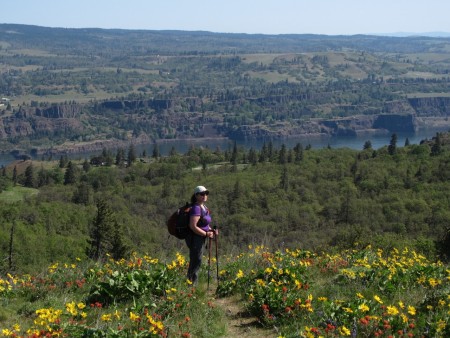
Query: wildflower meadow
point(363, 292)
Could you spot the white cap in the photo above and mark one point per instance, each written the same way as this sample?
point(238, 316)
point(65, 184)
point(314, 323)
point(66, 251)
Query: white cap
point(200, 189)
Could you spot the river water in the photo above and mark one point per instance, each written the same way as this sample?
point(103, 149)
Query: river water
point(317, 142)
point(357, 143)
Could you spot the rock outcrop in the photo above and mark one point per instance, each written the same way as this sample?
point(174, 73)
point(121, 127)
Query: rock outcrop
point(181, 118)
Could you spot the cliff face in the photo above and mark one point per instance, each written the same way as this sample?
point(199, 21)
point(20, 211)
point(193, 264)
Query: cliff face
point(67, 111)
point(136, 104)
point(37, 121)
point(68, 120)
point(396, 123)
point(431, 106)
point(350, 126)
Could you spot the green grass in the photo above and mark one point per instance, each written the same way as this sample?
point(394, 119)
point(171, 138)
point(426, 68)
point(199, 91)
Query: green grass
point(16, 194)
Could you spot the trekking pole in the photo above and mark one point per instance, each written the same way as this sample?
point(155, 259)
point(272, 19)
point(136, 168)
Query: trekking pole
point(209, 260)
point(217, 254)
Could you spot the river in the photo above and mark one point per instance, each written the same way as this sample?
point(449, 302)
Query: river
point(357, 143)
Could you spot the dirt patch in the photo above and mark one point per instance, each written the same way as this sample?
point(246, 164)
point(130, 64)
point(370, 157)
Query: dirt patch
point(240, 323)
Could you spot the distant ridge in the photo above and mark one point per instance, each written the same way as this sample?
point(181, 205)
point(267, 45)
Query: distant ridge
point(410, 34)
point(89, 41)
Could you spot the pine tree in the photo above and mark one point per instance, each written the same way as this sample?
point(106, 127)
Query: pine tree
point(392, 148)
point(86, 166)
point(155, 153)
point(284, 181)
point(407, 143)
point(234, 154)
point(83, 194)
point(70, 176)
point(29, 177)
point(298, 150)
point(263, 155)
point(131, 155)
point(120, 157)
point(119, 249)
point(101, 231)
point(63, 161)
point(436, 149)
point(252, 156)
point(14, 177)
point(282, 155)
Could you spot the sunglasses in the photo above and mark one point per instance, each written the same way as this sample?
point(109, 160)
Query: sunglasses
point(203, 193)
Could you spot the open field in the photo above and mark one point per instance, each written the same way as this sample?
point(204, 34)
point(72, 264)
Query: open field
point(17, 194)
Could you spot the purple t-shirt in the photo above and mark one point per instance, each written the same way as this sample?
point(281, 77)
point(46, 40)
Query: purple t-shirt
point(205, 217)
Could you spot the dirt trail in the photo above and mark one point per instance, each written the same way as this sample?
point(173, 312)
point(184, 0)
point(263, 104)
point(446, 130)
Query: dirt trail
point(240, 323)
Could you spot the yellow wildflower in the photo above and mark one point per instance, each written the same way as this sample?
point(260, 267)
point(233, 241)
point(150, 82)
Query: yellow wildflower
point(405, 318)
point(433, 282)
point(71, 308)
point(117, 315)
point(441, 324)
point(106, 317)
point(7, 332)
point(392, 310)
point(378, 299)
point(364, 308)
point(344, 331)
point(134, 317)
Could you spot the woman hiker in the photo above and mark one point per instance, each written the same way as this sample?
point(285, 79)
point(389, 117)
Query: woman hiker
point(199, 223)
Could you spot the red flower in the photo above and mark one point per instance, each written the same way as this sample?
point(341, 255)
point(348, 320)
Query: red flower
point(364, 321)
point(330, 327)
point(81, 282)
point(315, 330)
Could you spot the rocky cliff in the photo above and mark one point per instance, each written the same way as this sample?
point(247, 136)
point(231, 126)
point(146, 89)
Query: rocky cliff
point(431, 106)
point(68, 121)
point(350, 126)
point(33, 121)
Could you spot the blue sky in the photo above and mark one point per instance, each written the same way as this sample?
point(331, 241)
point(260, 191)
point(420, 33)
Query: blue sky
point(330, 17)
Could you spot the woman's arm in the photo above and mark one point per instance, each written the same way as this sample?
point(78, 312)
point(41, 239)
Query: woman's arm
point(193, 220)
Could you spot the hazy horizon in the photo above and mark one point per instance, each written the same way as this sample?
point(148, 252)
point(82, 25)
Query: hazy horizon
point(328, 17)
